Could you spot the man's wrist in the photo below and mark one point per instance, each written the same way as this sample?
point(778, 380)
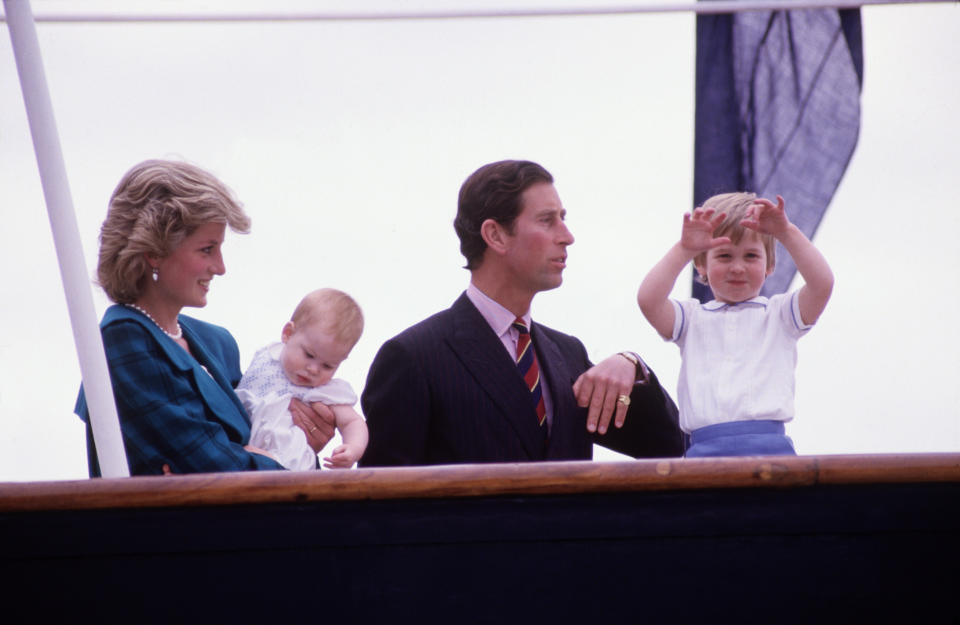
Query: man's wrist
point(642, 375)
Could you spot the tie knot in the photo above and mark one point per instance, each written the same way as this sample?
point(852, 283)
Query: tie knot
point(520, 326)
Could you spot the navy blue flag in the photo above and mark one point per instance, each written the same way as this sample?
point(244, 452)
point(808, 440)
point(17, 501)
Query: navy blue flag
point(777, 112)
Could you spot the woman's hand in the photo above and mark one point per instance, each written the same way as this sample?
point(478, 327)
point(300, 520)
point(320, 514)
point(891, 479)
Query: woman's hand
point(316, 420)
point(263, 452)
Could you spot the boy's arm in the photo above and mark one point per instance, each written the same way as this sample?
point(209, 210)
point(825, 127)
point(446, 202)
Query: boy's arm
point(696, 236)
point(766, 217)
point(653, 294)
point(353, 430)
point(817, 276)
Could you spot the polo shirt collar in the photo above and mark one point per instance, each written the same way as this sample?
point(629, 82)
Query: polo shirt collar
point(714, 305)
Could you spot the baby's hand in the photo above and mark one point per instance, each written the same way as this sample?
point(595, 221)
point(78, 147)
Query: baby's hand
point(343, 457)
point(697, 233)
point(766, 218)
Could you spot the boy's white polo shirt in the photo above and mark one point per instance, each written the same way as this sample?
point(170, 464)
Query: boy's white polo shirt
point(738, 360)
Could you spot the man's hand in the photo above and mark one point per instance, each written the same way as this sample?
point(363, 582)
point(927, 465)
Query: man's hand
point(599, 389)
point(316, 420)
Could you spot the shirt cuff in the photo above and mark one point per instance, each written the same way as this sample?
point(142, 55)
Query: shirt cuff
point(643, 373)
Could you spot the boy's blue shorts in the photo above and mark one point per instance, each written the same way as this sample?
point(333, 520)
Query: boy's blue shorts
point(740, 438)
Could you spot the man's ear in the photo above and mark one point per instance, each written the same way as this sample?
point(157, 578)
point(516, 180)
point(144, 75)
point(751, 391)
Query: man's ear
point(494, 235)
point(287, 331)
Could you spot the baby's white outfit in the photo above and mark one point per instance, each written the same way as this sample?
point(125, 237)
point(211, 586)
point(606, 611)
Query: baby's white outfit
point(265, 392)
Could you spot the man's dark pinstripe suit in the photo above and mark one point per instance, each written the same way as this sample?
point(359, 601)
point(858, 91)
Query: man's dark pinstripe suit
point(445, 391)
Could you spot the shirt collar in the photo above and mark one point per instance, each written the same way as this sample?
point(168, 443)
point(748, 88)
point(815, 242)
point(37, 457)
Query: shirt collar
point(718, 305)
point(498, 318)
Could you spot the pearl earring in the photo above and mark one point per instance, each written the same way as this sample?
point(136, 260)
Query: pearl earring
point(156, 274)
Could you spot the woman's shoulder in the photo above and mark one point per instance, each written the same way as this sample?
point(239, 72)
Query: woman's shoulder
point(122, 326)
point(118, 313)
point(216, 340)
point(205, 328)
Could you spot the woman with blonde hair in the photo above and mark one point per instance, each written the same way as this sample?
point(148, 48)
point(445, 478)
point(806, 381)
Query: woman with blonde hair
point(173, 376)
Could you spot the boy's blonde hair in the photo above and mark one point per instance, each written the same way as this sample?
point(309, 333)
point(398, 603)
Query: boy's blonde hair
point(338, 312)
point(735, 205)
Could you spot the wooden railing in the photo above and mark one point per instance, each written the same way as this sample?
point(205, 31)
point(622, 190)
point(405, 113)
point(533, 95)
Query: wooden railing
point(829, 539)
point(478, 480)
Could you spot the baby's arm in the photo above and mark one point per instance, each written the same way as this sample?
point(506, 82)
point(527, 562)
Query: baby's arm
point(764, 216)
point(353, 430)
point(654, 292)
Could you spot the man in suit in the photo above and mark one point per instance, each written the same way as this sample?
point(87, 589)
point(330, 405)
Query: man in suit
point(450, 389)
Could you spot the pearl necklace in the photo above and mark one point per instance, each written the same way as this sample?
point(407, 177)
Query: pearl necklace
point(174, 335)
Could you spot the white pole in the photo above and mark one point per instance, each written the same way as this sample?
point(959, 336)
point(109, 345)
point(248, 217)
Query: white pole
point(66, 238)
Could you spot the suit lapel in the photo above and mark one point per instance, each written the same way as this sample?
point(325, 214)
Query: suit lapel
point(215, 387)
point(483, 356)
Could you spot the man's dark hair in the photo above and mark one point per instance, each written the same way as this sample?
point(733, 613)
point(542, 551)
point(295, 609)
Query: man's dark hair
point(492, 192)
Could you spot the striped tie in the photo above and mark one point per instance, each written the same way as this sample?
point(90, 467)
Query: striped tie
point(529, 368)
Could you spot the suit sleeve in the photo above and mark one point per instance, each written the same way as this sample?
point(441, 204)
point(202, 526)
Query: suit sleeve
point(396, 405)
point(651, 429)
point(163, 418)
point(652, 426)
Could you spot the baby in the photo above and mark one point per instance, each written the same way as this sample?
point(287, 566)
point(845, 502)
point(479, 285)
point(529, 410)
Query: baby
point(738, 351)
point(325, 326)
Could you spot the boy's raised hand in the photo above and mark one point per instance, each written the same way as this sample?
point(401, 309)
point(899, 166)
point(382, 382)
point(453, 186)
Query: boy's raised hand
point(696, 237)
point(697, 233)
point(767, 218)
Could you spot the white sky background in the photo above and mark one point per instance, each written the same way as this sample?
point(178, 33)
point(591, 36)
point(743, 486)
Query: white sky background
point(347, 143)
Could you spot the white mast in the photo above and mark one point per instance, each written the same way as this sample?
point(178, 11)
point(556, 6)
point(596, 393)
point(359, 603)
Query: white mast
point(66, 238)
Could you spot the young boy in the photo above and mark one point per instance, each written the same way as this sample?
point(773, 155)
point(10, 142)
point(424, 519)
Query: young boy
point(738, 351)
point(324, 328)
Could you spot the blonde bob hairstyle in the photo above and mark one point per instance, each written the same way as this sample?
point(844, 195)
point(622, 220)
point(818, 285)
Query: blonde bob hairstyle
point(156, 205)
point(735, 205)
